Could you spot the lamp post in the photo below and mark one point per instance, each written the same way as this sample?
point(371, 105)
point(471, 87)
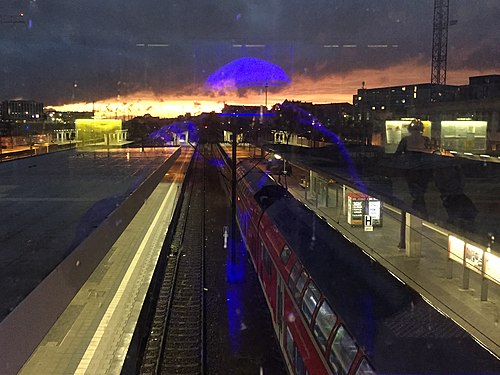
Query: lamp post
point(233, 194)
point(266, 86)
point(284, 171)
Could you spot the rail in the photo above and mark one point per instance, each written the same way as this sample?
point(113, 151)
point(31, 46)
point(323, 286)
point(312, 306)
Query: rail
point(177, 336)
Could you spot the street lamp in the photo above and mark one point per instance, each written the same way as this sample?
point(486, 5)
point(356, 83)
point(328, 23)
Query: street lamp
point(284, 171)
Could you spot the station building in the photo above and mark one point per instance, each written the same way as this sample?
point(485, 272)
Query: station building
point(100, 132)
point(464, 118)
point(21, 111)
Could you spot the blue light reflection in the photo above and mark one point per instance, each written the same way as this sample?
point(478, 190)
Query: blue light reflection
point(246, 72)
point(166, 133)
point(235, 276)
point(308, 119)
point(246, 114)
point(217, 162)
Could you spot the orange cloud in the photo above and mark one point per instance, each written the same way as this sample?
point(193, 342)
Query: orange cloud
point(329, 89)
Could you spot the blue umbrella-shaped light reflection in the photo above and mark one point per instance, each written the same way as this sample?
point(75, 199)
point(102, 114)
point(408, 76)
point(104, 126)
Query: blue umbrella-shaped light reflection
point(247, 72)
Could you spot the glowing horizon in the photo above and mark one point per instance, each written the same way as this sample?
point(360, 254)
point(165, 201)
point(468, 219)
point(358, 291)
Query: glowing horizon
point(329, 89)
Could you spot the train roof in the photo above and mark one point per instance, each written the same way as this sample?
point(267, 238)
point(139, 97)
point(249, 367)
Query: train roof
point(398, 330)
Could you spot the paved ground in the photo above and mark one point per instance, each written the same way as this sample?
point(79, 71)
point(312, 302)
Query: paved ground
point(93, 335)
point(387, 176)
point(50, 203)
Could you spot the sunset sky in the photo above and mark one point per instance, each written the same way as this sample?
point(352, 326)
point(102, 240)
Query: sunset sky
point(132, 57)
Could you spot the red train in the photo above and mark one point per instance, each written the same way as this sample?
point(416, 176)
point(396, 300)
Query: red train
point(334, 309)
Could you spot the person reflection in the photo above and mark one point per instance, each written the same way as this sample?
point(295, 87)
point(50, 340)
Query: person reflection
point(417, 149)
point(450, 181)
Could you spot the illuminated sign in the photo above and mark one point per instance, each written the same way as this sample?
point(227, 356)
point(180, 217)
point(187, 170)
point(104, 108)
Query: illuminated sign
point(476, 258)
point(98, 125)
point(355, 208)
point(363, 210)
point(492, 267)
point(375, 211)
point(456, 249)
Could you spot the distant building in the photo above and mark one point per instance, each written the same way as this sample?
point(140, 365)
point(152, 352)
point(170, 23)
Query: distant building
point(61, 125)
point(250, 114)
point(481, 87)
point(307, 124)
point(100, 132)
point(478, 102)
point(372, 104)
point(469, 122)
point(467, 125)
point(65, 119)
point(21, 111)
point(334, 116)
point(244, 119)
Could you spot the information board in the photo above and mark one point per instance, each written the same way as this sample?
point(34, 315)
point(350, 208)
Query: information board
point(360, 206)
point(355, 208)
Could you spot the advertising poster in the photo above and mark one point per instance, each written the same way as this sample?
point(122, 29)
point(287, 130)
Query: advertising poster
point(355, 208)
point(474, 257)
point(456, 249)
point(492, 267)
point(464, 135)
point(375, 211)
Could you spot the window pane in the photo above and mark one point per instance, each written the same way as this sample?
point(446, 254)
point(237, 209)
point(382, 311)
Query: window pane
point(325, 321)
point(289, 344)
point(294, 275)
point(311, 298)
point(300, 284)
point(365, 368)
point(267, 262)
point(285, 254)
point(300, 369)
point(343, 351)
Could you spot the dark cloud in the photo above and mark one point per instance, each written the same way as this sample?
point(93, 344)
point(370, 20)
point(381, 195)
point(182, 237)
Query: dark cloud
point(115, 47)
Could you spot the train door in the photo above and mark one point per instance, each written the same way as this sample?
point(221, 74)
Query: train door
point(280, 309)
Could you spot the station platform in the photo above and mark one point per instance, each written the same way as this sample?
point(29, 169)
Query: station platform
point(93, 334)
point(430, 272)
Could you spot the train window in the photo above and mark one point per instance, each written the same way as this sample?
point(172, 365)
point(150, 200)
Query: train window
point(294, 275)
point(325, 320)
point(343, 351)
point(311, 298)
point(294, 355)
point(289, 344)
point(266, 260)
point(285, 254)
point(300, 284)
point(365, 368)
point(300, 368)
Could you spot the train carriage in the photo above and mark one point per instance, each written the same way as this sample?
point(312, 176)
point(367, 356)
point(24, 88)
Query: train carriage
point(336, 310)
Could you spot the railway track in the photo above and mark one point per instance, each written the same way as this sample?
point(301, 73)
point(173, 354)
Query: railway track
point(176, 343)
